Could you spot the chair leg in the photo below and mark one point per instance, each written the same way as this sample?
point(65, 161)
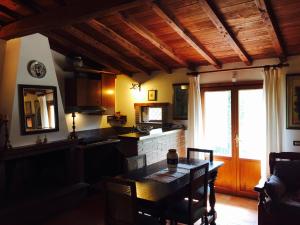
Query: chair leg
point(206, 220)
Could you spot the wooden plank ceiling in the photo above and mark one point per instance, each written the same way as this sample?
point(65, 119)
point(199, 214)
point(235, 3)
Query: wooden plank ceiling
point(146, 36)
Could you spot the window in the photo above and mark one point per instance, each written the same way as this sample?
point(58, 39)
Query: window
point(52, 116)
point(151, 114)
point(251, 124)
point(218, 122)
point(155, 114)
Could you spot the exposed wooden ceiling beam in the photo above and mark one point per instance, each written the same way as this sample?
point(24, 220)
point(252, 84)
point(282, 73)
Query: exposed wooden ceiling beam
point(30, 5)
point(152, 38)
point(223, 28)
point(111, 34)
point(69, 53)
point(63, 16)
point(273, 29)
point(2, 23)
point(85, 38)
point(9, 12)
point(60, 2)
point(183, 33)
point(84, 52)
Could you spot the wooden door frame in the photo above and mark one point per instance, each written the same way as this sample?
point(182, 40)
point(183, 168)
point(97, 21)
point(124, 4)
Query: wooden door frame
point(234, 88)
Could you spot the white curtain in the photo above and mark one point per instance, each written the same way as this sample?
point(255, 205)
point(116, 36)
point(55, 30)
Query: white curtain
point(195, 127)
point(44, 111)
point(273, 89)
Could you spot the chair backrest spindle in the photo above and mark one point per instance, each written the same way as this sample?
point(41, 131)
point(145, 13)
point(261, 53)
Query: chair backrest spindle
point(198, 179)
point(211, 153)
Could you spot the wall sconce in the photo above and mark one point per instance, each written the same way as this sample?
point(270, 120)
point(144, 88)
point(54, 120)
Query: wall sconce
point(135, 86)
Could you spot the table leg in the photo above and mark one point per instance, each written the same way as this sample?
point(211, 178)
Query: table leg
point(212, 198)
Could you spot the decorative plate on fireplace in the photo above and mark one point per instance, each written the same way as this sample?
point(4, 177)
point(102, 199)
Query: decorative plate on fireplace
point(36, 69)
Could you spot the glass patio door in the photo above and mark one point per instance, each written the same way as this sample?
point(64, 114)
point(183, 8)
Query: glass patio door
point(234, 128)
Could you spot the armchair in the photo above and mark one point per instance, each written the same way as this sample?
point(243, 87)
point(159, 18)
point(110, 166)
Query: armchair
point(279, 195)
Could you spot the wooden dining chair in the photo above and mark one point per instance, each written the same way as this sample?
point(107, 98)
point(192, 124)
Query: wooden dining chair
point(211, 153)
point(211, 159)
point(121, 204)
point(135, 162)
point(191, 210)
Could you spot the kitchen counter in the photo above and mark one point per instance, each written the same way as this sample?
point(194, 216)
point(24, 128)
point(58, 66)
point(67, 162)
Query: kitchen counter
point(154, 146)
point(140, 136)
point(87, 143)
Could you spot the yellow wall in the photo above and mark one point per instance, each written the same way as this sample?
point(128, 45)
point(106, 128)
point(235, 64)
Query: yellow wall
point(126, 97)
point(160, 81)
point(163, 83)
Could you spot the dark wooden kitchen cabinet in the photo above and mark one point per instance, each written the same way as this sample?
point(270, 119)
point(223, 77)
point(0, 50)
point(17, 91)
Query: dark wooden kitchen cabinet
point(101, 160)
point(90, 91)
point(108, 93)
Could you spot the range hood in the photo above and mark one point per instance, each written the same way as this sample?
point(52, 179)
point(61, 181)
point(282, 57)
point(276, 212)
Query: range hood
point(89, 91)
point(91, 110)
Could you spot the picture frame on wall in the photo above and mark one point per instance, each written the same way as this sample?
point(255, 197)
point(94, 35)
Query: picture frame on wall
point(180, 101)
point(152, 95)
point(293, 101)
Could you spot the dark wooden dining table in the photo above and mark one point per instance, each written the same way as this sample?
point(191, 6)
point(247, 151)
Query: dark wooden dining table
point(155, 195)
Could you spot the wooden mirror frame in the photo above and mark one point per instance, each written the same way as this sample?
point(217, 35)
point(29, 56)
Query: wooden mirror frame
point(21, 88)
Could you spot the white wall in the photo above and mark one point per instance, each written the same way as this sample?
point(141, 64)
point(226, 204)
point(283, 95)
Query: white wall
point(17, 55)
point(290, 135)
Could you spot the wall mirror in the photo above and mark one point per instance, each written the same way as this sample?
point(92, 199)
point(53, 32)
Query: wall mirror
point(38, 109)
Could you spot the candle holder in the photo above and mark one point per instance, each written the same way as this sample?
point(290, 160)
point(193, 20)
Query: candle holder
point(7, 144)
point(73, 135)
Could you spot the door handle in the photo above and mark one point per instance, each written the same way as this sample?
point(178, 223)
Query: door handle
point(237, 140)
